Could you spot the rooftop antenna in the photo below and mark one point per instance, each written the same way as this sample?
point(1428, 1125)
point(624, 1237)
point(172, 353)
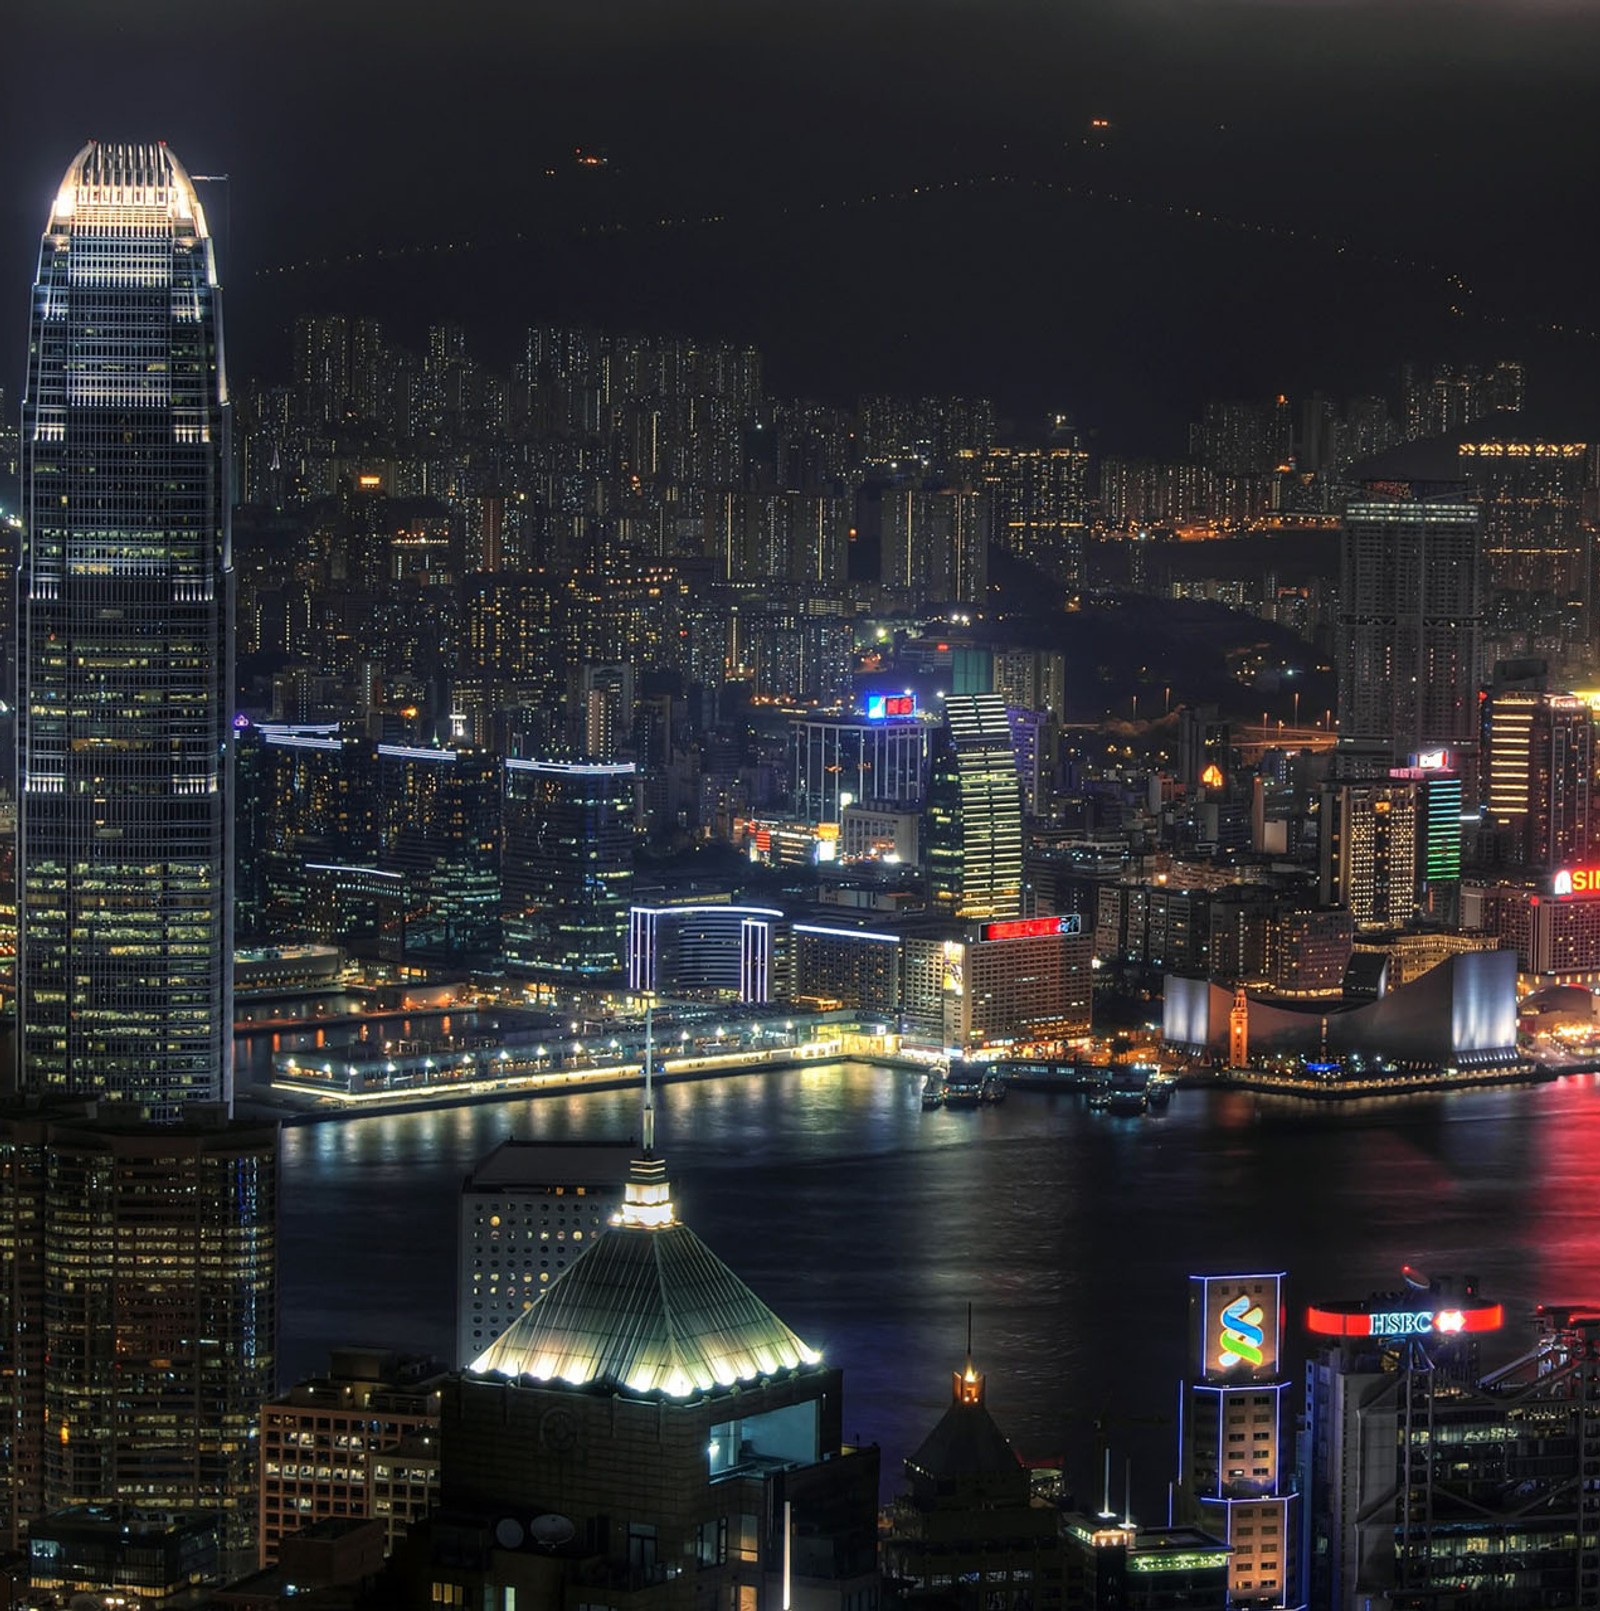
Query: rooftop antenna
point(969, 1332)
point(1127, 1492)
point(1106, 1512)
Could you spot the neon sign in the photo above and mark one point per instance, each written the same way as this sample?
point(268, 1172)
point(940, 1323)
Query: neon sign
point(1243, 1333)
point(880, 707)
point(1032, 928)
point(1394, 1324)
point(1576, 881)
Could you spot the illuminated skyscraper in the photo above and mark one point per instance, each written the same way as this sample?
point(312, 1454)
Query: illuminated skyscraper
point(1409, 650)
point(1369, 851)
point(125, 651)
point(1235, 1465)
point(567, 869)
point(974, 841)
point(1538, 776)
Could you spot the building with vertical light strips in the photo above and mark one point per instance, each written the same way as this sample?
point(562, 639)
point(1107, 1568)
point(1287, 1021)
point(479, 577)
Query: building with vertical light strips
point(125, 655)
point(974, 840)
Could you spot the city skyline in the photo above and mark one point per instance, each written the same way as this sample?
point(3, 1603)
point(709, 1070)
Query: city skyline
point(1280, 173)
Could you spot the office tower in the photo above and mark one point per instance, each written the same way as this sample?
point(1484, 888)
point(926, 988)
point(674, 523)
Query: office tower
point(305, 798)
point(566, 869)
point(1431, 1479)
point(968, 1514)
point(1235, 1461)
point(438, 826)
point(138, 1319)
point(322, 368)
point(527, 1211)
point(1538, 776)
point(974, 839)
point(360, 1441)
point(935, 545)
point(653, 1412)
point(126, 668)
point(1369, 851)
point(881, 757)
point(1408, 649)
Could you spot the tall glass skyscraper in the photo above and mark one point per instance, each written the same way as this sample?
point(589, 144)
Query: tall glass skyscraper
point(125, 654)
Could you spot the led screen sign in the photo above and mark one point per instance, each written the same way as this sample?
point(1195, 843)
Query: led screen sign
point(881, 707)
point(1031, 928)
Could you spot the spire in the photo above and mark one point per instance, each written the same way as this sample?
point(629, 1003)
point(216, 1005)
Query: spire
point(647, 1193)
point(967, 1385)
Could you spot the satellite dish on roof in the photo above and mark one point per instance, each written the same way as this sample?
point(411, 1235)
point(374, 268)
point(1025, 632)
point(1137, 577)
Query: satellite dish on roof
point(552, 1530)
point(508, 1533)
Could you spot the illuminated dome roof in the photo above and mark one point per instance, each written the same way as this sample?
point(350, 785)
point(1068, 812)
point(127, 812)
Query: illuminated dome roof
point(127, 183)
point(649, 1308)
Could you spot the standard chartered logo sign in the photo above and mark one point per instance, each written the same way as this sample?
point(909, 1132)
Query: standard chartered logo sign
point(1242, 1334)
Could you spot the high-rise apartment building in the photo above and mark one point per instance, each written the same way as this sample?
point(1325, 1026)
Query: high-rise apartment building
point(125, 668)
point(567, 869)
point(1408, 651)
point(974, 839)
point(1538, 550)
point(936, 544)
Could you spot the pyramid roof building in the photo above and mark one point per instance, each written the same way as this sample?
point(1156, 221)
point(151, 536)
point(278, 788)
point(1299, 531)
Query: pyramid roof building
point(648, 1308)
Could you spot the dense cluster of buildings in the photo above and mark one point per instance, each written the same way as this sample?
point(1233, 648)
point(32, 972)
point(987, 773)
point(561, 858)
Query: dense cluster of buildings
point(613, 677)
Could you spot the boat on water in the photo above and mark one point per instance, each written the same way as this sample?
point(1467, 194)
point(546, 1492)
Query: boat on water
point(963, 1084)
point(992, 1090)
point(933, 1092)
point(1127, 1101)
point(1047, 1076)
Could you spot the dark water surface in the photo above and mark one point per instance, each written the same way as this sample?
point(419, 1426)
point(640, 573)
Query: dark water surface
point(869, 1225)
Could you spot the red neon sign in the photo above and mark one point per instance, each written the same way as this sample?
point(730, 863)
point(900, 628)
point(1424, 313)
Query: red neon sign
point(1447, 1321)
point(1026, 928)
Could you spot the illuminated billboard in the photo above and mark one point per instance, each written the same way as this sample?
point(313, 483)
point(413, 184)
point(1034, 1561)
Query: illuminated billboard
point(1576, 881)
point(1031, 928)
point(883, 707)
point(1237, 1320)
point(1449, 1318)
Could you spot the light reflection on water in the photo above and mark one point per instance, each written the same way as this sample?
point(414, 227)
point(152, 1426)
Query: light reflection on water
point(869, 1225)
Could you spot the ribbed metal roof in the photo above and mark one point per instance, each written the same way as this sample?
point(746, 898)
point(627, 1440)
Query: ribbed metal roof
point(648, 1308)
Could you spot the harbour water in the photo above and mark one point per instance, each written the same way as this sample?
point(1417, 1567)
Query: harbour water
point(869, 1224)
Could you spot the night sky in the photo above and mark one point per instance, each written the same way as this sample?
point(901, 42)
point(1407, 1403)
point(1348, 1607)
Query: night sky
point(1349, 158)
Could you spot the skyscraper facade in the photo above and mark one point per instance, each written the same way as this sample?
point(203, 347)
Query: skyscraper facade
point(567, 869)
point(974, 840)
point(125, 662)
point(1409, 649)
point(138, 1312)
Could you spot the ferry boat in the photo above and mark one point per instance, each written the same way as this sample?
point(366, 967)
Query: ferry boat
point(993, 1089)
point(963, 1086)
point(932, 1092)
